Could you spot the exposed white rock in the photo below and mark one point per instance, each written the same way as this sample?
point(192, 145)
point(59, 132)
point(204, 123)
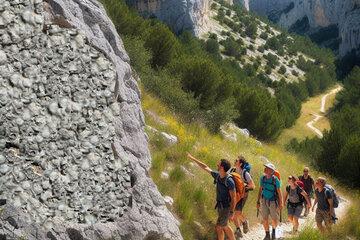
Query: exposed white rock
point(71, 156)
point(178, 14)
point(169, 138)
point(169, 200)
point(345, 14)
point(164, 175)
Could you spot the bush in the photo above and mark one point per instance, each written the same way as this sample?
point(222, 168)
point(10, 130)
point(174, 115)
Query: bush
point(264, 35)
point(231, 47)
point(261, 49)
point(251, 30)
point(272, 60)
point(212, 46)
point(282, 69)
point(295, 73)
point(213, 36)
point(228, 12)
point(162, 43)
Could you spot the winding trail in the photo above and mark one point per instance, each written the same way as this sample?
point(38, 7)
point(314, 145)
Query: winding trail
point(284, 229)
point(317, 117)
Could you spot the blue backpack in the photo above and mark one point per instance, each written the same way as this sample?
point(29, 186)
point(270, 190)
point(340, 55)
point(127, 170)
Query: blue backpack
point(334, 196)
point(247, 168)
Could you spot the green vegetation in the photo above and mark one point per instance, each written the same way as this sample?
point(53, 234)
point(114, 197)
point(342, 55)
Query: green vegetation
point(194, 196)
point(338, 151)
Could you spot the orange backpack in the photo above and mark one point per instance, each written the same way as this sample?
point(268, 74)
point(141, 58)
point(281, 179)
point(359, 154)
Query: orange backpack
point(277, 174)
point(239, 186)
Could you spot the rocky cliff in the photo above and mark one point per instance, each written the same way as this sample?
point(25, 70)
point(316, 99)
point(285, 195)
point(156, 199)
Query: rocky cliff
point(180, 15)
point(334, 23)
point(74, 158)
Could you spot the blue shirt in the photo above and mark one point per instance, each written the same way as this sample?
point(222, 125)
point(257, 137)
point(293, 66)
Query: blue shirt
point(223, 186)
point(268, 187)
point(323, 197)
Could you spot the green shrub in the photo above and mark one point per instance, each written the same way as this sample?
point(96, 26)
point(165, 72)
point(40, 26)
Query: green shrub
point(264, 35)
point(162, 44)
point(251, 30)
point(282, 69)
point(212, 46)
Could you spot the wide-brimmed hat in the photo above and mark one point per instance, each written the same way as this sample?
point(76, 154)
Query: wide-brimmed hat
point(270, 165)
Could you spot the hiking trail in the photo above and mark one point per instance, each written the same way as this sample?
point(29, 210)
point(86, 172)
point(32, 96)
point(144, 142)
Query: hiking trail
point(284, 229)
point(317, 117)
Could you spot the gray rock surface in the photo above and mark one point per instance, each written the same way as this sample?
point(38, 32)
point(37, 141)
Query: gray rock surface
point(74, 158)
point(180, 15)
point(319, 15)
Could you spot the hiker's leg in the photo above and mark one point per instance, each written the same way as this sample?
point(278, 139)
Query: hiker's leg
point(265, 212)
point(220, 232)
point(222, 224)
point(296, 223)
point(319, 220)
point(328, 221)
point(290, 218)
point(229, 233)
point(237, 216)
point(274, 213)
point(237, 219)
point(297, 213)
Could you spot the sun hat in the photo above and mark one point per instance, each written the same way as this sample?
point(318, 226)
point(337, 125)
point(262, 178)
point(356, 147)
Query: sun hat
point(270, 165)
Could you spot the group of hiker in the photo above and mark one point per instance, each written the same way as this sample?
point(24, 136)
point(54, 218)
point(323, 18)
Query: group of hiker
point(233, 184)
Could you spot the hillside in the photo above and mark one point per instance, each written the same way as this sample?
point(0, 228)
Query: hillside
point(188, 191)
point(256, 40)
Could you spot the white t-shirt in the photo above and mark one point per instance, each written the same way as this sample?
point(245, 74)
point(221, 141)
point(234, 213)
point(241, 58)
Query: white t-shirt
point(247, 175)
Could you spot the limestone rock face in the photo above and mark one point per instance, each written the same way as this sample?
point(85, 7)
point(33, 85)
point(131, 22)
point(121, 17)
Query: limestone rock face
point(180, 15)
point(339, 19)
point(74, 156)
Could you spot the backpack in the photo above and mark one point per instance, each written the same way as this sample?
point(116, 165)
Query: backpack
point(246, 168)
point(299, 189)
point(239, 186)
point(334, 196)
point(277, 174)
point(300, 184)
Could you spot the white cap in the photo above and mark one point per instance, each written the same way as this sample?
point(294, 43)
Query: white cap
point(270, 165)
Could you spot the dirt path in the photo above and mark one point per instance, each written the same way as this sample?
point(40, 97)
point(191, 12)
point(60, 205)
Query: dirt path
point(317, 117)
point(284, 230)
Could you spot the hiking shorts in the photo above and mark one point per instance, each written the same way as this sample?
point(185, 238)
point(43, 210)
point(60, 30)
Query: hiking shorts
point(223, 216)
point(295, 210)
point(323, 216)
point(240, 205)
point(269, 208)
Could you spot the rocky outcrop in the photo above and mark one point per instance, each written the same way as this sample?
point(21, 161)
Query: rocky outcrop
point(74, 158)
point(180, 15)
point(334, 24)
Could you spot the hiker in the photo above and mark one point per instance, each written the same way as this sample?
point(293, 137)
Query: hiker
point(325, 205)
point(296, 197)
point(309, 186)
point(225, 196)
point(242, 167)
point(270, 200)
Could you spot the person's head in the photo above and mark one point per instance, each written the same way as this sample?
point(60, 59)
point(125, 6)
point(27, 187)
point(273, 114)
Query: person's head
point(224, 166)
point(240, 161)
point(269, 169)
point(320, 183)
point(292, 180)
point(306, 171)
